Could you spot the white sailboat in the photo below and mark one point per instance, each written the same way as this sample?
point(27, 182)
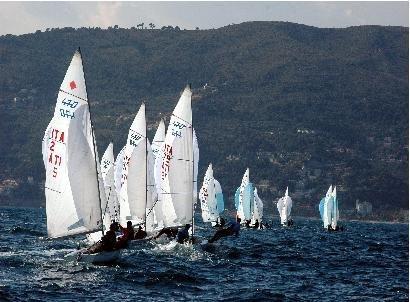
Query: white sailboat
point(177, 165)
point(244, 198)
point(211, 198)
point(326, 208)
point(284, 206)
point(257, 207)
point(74, 188)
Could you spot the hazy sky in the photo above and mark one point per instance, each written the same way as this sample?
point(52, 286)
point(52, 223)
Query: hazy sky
point(26, 17)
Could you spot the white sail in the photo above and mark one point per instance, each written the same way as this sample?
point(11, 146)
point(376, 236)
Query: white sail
point(133, 193)
point(335, 209)
point(328, 207)
point(111, 208)
point(177, 167)
point(159, 139)
point(257, 208)
point(207, 197)
point(73, 188)
point(152, 196)
point(118, 172)
point(245, 181)
point(284, 208)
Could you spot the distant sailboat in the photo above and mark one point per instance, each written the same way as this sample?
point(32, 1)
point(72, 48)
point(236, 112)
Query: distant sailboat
point(284, 208)
point(210, 195)
point(244, 198)
point(326, 208)
point(74, 188)
point(177, 165)
point(257, 207)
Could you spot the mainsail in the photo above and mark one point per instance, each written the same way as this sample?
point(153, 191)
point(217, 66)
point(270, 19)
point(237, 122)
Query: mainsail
point(284, 208)
point(177, 164)
point(73, 187)
point(111, 209)
point(133, 193)
point(156, 147)
point(118, 171)
point(159, 139)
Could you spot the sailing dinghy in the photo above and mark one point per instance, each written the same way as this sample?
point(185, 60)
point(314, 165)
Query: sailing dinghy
point(257, 208)
point(284, 206)
point(74, 188)
point(244, 199)
point(210, 195)
point(177, 166)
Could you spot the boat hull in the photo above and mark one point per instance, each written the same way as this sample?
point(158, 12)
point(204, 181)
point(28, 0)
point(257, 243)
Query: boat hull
point(96, 258)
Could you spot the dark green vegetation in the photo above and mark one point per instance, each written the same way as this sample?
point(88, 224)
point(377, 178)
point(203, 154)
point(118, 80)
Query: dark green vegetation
point(298, 105)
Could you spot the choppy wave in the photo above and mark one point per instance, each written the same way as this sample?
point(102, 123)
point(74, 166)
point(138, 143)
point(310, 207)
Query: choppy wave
point(303, 263)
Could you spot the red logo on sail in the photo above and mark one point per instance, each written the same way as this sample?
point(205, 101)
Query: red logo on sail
point(73, 85)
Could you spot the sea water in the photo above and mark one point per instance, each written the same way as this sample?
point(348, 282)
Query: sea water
point(366, 262)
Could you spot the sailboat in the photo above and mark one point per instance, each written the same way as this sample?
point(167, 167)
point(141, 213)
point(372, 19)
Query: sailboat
point(177, 166)
point(137, 189)
point(244, 198)
point(74, 188)
point(257, 207)
point(210, 195)
point(284, 206)
point(110, 210)
point(326, 209)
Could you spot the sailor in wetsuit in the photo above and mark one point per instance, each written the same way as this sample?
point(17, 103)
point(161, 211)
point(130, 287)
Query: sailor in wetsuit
point(140, 234)
point(127, 235)
point(256, 225)
point(183, 235)
point(170, 232)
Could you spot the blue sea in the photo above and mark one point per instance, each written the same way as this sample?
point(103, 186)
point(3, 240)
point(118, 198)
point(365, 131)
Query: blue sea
point(366, 262)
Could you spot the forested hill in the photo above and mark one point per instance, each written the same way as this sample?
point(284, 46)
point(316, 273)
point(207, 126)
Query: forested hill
point(298, 105)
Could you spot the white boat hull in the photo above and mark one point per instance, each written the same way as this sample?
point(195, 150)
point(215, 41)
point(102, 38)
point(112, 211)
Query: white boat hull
point(102, 257)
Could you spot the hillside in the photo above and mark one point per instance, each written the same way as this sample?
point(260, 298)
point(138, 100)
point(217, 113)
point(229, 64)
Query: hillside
point(298, 105)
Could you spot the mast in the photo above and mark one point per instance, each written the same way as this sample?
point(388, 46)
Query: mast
point(94, 147)
point(146, 170)
point(193, 172)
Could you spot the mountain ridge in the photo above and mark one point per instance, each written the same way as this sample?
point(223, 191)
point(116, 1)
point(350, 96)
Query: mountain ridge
point(303, 98)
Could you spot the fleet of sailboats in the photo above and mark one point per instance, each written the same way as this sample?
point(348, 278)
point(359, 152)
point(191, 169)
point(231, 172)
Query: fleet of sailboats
point(150, 185)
